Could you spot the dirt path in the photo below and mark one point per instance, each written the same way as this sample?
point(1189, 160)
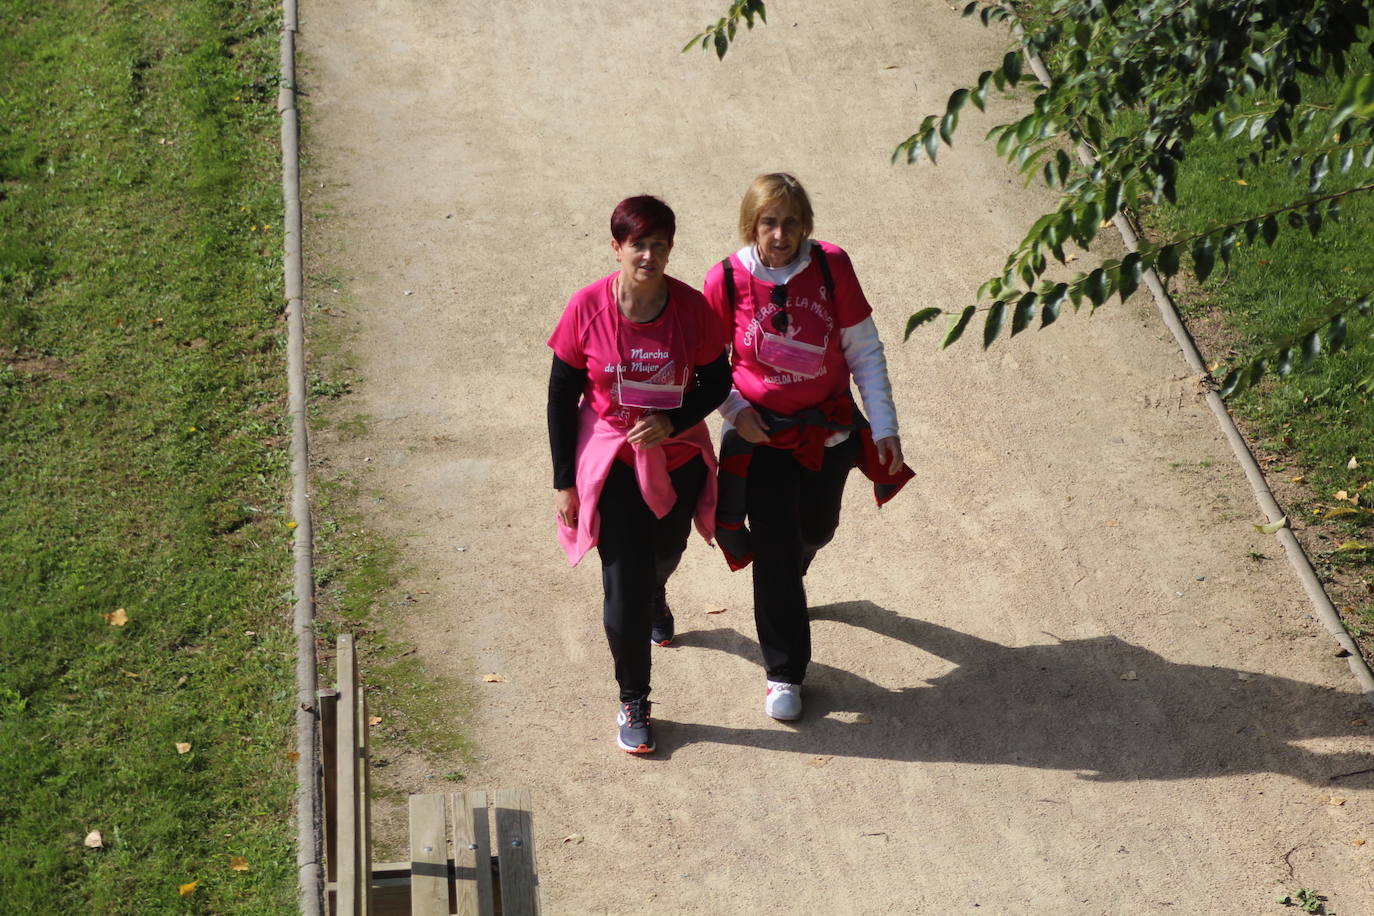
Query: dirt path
point(1050, 678)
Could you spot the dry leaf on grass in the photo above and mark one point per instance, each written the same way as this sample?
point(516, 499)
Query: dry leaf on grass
point(293, 756)
point(374, 720)
point(183, 747)
point(238, 863)
point(187, 890)
point(127, 673)
point(494, 678)
point(1352, 464)
point(118, 618)
point(94, 840)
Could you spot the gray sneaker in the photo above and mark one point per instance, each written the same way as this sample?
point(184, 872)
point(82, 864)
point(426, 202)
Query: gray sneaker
point(661, 623)
point(634, 736)
point(783, 701)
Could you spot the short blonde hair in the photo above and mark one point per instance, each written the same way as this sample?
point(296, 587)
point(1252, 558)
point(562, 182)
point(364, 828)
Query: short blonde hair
point(766, 189)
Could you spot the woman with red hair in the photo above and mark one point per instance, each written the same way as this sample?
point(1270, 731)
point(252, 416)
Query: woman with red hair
point(638, 362)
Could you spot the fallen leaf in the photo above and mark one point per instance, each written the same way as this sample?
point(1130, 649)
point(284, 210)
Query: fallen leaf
point(1300, 479)
point(1341, 512)
point(1241, 181)
point(494, 678)
point(1272, 526)
point(238, 863)
point(1130, 676)
point(187, 890)
point(820, 761)
point(1358, 723)
point(1337, 801)
point(374, 720)
point(1359, 842)
point(181, 681)
point(574, 838)
point(127, 673)
point(1352, 464)
point(715, 609)
point(1342, 495)
point(1112, 523)
point(94, 840)
point(183, 747)
point(118, 618)
point(293, 756)
point(1353, 546)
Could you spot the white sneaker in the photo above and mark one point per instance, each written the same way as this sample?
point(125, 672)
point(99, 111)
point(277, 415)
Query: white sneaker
point(783, 701)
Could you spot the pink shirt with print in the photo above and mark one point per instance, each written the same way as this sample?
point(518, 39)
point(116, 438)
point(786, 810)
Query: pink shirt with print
point(812, 318)
point(592, 334)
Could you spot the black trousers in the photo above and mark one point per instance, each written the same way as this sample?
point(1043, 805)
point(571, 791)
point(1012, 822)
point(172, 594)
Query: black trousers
point(638, 554)
point(793, 512)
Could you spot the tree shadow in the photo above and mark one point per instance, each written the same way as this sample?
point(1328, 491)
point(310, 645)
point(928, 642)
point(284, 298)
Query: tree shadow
point(1101, 707)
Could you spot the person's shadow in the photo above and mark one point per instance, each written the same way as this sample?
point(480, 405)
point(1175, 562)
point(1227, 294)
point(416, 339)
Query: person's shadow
point(1099, 706)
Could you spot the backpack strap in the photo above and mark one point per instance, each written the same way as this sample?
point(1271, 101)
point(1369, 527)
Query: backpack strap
point(818, 253)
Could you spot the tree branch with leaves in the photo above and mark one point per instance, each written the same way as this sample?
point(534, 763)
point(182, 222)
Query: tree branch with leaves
point(1180, 66)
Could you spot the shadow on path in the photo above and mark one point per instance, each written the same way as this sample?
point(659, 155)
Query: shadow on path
point(1056, 706)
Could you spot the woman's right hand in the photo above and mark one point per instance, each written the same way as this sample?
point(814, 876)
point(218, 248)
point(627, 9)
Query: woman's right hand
point(566, 505)
point(750, 425)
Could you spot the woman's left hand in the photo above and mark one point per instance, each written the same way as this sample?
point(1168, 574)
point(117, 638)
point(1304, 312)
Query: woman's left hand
point(651, 429)
point(890, 453)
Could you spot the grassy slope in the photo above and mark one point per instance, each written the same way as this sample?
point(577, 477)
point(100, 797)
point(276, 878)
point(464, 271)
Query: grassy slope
point(1320, 418)
point(142, 465)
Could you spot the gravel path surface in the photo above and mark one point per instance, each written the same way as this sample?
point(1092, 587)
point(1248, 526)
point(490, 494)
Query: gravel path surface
point(1049, 678)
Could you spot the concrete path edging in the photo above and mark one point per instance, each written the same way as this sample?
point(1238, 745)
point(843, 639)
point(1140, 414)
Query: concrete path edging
point(310, 884)
point(1302, 565)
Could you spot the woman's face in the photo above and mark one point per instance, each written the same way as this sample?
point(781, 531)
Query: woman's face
point(778, 233)
point(645, 259)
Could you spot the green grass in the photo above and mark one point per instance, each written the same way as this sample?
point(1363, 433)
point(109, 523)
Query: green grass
point(1322, 417)
point(143, 464)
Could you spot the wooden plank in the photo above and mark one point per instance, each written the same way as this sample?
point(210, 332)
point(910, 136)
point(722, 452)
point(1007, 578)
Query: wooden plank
point(472, 855)
point(428, 856)
point(327, 707)
point(364, 801)
point(515, 853)
point(348, 899)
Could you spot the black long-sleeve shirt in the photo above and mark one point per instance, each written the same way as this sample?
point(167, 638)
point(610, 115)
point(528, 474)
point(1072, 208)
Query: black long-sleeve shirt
point(566, 384)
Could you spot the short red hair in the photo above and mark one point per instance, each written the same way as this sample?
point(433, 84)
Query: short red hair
point(635, 218)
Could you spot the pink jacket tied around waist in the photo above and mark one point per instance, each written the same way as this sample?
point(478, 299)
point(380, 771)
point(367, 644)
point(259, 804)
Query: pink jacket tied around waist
point(598, 443)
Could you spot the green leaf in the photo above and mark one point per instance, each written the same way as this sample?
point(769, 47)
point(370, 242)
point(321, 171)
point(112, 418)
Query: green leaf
point(1285, 367)
point(1311, 346)
point(1024, 312)
point(1011, 66)
point(1270, 230)
point(1321, 167)
point(1167, 260)
point(957, 100)
point(957, 326)
point(1129, 275)
point(1232, 383)
point(1335, 332)
point(1204, 257)
point(932, 145)
point(920, 318)
point(993, 326)
point(1095, 286)
point(722, 44)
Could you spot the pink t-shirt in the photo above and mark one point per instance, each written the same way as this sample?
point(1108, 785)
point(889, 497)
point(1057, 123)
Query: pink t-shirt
point(813, 318)
point(594, 335)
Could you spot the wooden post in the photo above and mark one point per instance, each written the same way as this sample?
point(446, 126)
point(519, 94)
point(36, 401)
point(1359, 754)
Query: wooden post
point(515, 853)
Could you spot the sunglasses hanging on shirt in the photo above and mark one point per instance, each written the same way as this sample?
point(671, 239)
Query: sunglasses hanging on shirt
point(779, 299)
